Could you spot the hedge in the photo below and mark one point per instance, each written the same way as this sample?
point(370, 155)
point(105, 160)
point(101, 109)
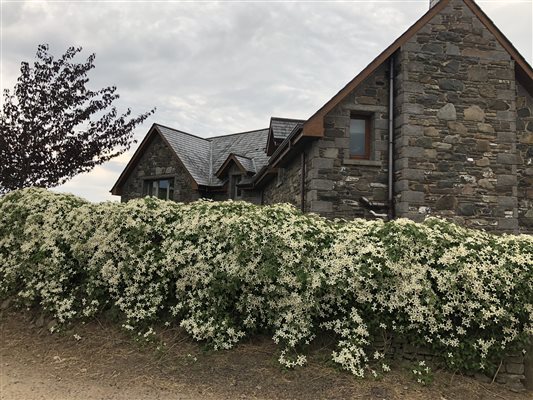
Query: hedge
point(226, 270)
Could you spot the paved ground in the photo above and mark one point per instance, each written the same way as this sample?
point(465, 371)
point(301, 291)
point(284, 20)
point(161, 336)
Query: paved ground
point(107, 364)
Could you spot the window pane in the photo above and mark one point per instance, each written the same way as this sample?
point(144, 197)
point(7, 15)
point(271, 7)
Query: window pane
point(162, 192)
point(171, 189)
point(357, 137)
point(237, 189)
point(162, 188)
point(235, 192)
point(146, 188)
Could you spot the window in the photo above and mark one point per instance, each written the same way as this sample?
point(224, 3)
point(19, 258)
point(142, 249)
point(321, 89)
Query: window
point(281, 176)
point(360, 137)
point(236, 192)
point(160, 188)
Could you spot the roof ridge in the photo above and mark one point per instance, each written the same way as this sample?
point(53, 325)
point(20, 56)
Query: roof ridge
point(238, 133)
point(177, 130)
point(238, 155)
point(287, 119)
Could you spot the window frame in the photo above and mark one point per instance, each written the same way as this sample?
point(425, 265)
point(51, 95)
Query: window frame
point(368, 134)
point(169, 190)
point(280, 177)
point(235, 192)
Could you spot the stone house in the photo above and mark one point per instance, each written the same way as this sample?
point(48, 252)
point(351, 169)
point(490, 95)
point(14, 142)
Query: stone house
point(440, 123)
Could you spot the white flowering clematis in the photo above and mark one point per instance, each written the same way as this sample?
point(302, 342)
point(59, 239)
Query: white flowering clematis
point(226, 270)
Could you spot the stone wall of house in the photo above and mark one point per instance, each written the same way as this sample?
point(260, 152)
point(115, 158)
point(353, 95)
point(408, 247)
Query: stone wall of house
point(251, 196)
point(216, 195)
point(334, 182)
point(159, 161)
point(337, 182)
point(524, 128)
point(287, 187)
point(456, 121)
point(463, 135)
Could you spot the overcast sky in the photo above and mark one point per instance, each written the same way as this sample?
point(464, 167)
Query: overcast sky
point(217, 68)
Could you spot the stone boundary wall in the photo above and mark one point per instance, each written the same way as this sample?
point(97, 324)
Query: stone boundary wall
point(514, 371)
point(528, 368)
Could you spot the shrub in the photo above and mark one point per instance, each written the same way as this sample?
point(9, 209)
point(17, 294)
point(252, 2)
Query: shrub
point(226, 270)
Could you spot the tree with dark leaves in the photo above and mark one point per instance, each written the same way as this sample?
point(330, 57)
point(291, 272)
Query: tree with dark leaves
point(52, 127)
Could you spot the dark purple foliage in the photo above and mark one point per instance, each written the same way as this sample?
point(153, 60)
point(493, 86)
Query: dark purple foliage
point(52, 127)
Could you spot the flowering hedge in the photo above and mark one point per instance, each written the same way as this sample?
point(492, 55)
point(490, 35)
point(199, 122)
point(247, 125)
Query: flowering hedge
point(226, 270)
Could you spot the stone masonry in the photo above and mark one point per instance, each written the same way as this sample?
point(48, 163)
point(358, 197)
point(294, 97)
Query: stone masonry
point(287, 188)
point(463, 137)
point(511, 372)
point(159, 162)
point(338, 180)
point(524, 129)
point(456, 116)
point(334, 182)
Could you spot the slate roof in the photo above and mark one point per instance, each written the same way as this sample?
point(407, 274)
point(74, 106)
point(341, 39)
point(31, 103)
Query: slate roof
point(282, 127)
point(193, 151)
point(247, 163)
point(204, 156)
point(247, 144)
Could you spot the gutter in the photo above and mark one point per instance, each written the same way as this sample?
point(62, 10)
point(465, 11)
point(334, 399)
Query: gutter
point(287, 142)
point(284, 147)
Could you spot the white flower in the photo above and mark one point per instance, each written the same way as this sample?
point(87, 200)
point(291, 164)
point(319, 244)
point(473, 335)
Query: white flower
point(225, 270)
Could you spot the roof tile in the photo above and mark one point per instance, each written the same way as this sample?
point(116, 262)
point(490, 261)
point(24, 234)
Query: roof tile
point(282, 127)
point(203, 156)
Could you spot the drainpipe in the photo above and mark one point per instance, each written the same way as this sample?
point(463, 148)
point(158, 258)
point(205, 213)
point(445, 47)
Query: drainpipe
point(391, 140)
point(302, 183)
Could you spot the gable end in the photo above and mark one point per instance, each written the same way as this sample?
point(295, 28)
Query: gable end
point(314, 127)
point(146, 142)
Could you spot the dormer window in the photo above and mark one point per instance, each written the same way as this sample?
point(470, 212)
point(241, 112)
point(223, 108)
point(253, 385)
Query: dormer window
point(360, 137)
point(236, 192)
